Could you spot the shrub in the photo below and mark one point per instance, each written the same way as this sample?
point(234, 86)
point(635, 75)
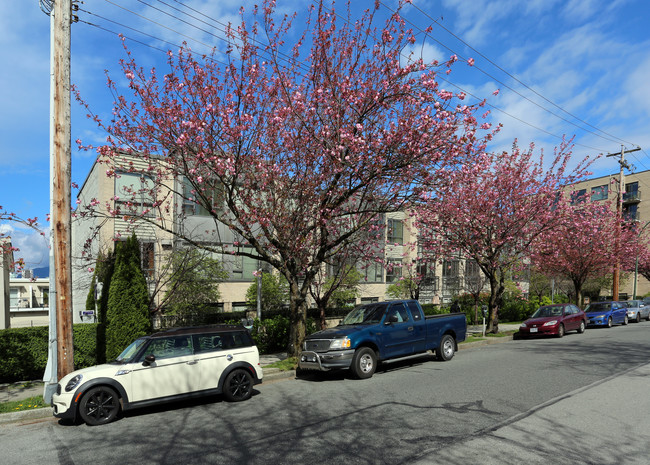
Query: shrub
point(128, 300)
point(26, 350)
point(272, 334)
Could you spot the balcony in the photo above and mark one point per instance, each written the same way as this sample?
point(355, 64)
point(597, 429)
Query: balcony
point(632, 197)
point(631, 216)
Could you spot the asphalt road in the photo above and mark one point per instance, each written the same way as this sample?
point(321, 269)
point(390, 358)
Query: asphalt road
point(581, 399)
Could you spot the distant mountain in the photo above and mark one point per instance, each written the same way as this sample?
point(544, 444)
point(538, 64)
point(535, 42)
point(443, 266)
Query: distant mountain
point(43, 272)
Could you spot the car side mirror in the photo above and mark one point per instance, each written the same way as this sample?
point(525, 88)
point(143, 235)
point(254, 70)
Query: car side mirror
point(148, 360)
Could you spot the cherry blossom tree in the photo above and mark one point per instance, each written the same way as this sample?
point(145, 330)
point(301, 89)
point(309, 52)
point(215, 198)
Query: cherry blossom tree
point(293, 149)
point(587, 244)
point(492, 210)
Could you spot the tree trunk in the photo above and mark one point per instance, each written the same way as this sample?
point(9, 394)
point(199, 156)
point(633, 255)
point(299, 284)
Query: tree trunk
point(497, 288)
point(298, 309)
point(577, 286)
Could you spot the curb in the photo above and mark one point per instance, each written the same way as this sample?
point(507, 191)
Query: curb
point(274, 374)
point(36, 414)
point(485, 342)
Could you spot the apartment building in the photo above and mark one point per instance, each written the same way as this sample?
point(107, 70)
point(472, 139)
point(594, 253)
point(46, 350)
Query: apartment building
point(633, 209)
point(442, 281)
point(24, 299)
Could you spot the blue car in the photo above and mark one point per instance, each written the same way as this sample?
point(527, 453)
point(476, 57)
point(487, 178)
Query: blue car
point(606, 313)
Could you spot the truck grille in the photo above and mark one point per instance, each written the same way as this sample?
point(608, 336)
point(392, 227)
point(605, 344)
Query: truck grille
point(318, 345)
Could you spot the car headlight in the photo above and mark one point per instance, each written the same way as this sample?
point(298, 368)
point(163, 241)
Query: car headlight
point(73, 383)
point(600, 316)
point(340, 343)
point(550, 323)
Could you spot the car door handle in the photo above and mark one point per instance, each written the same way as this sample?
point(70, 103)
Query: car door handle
point(192, 362)
point(410, 328)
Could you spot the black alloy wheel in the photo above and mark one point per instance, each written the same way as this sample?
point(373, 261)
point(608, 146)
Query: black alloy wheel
point(99, 406)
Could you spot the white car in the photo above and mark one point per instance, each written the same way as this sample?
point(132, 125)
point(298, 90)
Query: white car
point(166, 366)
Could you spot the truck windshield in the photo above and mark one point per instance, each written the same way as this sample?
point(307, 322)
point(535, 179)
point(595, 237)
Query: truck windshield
point(365, 315)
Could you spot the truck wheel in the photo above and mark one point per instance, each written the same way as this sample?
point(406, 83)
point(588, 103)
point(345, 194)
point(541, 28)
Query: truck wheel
point(364, 363)
point(445, 350)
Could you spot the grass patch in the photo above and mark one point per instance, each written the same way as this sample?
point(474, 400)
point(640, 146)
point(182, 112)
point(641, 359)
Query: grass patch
point(30, 403)
point(284, 365)
point(479, 337)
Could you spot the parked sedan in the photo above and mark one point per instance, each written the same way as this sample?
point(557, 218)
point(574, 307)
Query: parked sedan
point(554, 320)
point(607, 313)
point(637, 310)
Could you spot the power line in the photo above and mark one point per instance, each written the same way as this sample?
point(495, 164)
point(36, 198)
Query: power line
point(616, 139)
point(520, 82)
point(262, 46)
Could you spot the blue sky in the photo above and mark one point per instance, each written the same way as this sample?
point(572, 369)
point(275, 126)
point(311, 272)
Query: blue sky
point(574, 67)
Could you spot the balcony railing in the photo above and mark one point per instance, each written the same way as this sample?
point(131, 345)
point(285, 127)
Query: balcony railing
point(631, 197)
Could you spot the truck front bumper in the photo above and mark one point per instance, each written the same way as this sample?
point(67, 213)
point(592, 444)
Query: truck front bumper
point(325, 361)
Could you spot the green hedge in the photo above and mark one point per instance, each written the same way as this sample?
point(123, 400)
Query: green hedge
point(25, 351)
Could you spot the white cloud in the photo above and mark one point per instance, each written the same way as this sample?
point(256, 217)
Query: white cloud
point(427, 51)
point(33, 247)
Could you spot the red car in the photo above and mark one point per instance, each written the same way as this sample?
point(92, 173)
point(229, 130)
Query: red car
point(554, 320)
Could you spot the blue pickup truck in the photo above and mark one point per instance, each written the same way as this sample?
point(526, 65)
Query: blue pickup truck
point(382, 331)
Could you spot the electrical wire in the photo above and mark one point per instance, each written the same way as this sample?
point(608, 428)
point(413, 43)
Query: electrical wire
point(264, 46)
point(616, 139)
point(517, 79)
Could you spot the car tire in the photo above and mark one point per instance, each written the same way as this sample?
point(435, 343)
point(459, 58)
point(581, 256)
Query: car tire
point(100, 405)
point(582, 327)
point(446, 348)
point(364, 363)
point(647, 318)
point(560, 331)
point(638, 318)
point(238, 386)
point(610, 323)
point(625, 320)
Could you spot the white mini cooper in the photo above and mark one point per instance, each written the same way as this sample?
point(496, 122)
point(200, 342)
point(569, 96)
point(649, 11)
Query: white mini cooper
point(166, 366)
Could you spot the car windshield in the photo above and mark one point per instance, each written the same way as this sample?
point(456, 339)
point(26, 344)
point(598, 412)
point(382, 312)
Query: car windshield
point(548, 311)
point(598, 307)
point(633, 303)
point(365, 315)
point(133, 348)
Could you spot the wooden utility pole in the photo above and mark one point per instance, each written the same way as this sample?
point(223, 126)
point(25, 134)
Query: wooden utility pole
point(61, 184)
point(619, 212)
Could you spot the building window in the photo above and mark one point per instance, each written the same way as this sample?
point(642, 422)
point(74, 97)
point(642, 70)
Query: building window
point(631, 191)
point(395, 231)
point(147, 255)
point(393, 271)
point(579, 196)
point(600, 192)
point(135, 194)
point(195, 204)
point(631, 212)
point(14, 297)
point(372, 272)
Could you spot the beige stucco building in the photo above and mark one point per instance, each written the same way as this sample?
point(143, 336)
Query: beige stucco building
point(157, 241)
point(636, 186)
